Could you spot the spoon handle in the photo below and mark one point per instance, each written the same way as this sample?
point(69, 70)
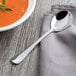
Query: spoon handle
point(24, 54)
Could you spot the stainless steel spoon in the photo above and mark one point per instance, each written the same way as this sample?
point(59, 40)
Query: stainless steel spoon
point(61, 21)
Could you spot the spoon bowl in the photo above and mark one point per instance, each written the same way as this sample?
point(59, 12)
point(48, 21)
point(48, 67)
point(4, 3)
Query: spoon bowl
point(61, 21)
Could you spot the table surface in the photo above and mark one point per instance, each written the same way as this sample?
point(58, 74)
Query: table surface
point(14, 41)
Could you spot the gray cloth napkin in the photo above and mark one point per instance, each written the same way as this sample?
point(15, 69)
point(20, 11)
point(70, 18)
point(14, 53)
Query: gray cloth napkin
point(58, 50)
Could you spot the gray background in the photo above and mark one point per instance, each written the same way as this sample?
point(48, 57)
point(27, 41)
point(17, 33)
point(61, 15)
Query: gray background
point(16, 40)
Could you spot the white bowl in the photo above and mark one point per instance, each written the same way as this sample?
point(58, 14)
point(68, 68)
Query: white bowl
point(30, 9)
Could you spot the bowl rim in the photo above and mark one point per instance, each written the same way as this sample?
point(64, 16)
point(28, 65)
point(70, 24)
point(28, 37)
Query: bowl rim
point(21, 20)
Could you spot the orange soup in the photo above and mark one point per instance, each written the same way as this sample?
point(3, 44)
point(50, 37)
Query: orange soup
point(19, 7)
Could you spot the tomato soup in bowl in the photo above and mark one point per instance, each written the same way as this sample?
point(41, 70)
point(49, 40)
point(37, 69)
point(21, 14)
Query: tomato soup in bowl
point(14, 12)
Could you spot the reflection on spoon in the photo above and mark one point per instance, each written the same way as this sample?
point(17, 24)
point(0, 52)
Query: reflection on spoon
point(61, 21)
